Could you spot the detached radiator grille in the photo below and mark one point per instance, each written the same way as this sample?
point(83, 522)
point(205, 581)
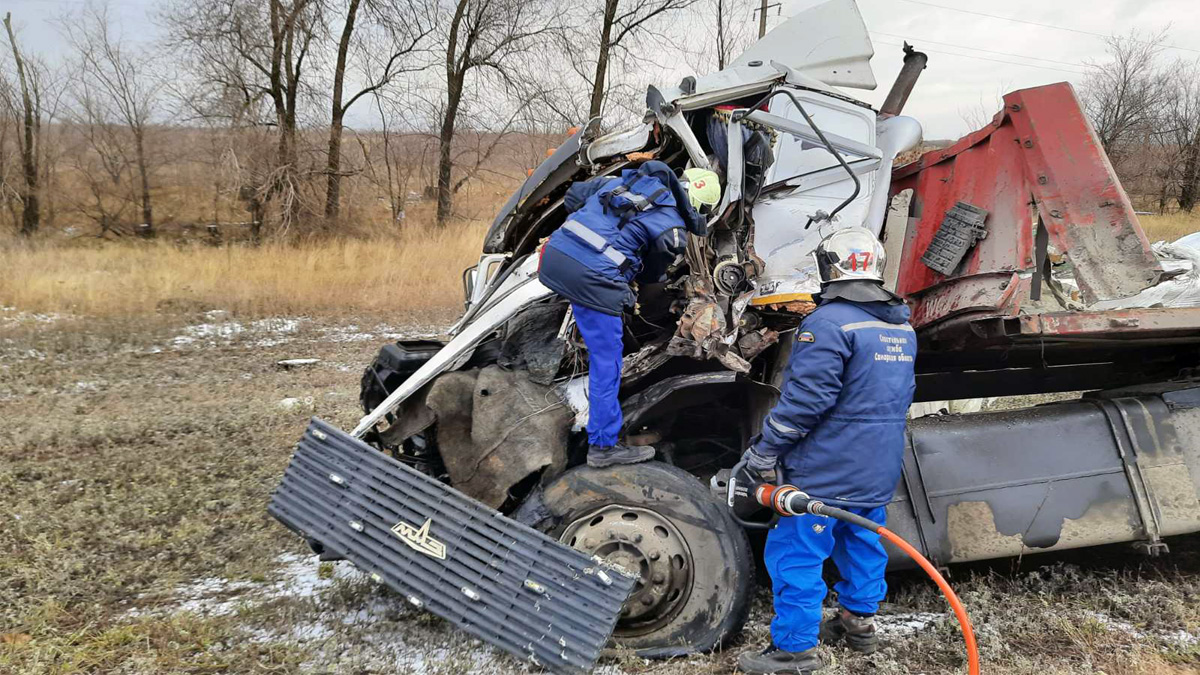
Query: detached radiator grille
point(497, 579)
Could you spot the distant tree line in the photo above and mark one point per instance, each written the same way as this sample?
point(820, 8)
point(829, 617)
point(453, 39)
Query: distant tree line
point(258, 93)
point(1145, 108)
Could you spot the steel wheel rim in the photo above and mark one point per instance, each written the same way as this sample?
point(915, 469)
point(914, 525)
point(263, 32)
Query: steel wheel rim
point(642, 541)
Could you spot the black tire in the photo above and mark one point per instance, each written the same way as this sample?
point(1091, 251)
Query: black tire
point(709, 592)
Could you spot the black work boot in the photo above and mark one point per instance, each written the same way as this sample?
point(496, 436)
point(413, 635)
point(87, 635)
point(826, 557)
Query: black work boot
point(774, 660)
point(857, 631)
point(600, 456)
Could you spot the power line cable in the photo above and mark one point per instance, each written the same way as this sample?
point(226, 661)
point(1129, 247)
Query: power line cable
point(984, 58)
point(1036, 23)
point(977, 49)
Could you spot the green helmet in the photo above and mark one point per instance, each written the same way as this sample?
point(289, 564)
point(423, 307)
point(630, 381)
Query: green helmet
point(704, 189)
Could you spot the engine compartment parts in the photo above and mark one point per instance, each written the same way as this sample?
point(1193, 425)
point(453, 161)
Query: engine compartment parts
point(499, 580)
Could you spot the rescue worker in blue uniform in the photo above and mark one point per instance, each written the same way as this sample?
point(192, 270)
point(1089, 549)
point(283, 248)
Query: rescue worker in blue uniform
point(618, 230)
point(837, 433)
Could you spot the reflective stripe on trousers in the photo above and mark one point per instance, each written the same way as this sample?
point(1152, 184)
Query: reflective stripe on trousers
point(603, 334)
point(795, 554)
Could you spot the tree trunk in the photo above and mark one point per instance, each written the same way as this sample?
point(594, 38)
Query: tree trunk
point(394, 209)
point(333, 186)
point(456, 73)
point(1190, 183)
point(610, 14)
point(147, 213)
point(720, 34)
point(30, 212)
point(445, 191)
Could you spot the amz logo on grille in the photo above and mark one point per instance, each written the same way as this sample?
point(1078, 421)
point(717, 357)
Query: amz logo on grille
point(418, 539)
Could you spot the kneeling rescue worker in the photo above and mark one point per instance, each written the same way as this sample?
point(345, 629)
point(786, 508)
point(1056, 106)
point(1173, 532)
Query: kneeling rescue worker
point(837, 433)
point(620, 230)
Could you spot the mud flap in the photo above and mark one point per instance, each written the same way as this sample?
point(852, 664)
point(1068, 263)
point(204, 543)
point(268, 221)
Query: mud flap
point(499, 580)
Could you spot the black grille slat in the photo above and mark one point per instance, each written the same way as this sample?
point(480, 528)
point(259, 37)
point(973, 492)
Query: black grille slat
point(382, 463)
point(562, 629)
point(578, 614)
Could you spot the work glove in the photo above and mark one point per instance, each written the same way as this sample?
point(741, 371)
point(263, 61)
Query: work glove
point(758, 463)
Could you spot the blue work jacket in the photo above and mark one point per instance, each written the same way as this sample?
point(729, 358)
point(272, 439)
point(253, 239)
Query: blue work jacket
point(618, 229)
point(838, 427)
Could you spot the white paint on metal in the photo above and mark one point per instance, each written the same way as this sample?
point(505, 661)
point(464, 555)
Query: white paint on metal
point(827, 41)
point(520, 289)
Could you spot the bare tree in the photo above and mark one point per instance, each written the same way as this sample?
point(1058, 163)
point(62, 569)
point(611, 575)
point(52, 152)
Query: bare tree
point(1123, 95)
point(732, 29)
point(103, 165)
point(115, 85)
point(620, 24)
point(244, 52)
point(1181, 132)
point(403, 26)
point(30, 113)
point(484, 41)
point(10, 191)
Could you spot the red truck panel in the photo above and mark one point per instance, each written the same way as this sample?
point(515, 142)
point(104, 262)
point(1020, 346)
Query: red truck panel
point(1038, 157)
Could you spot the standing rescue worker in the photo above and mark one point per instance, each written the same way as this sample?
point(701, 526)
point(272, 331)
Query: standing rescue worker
point(620, 229)
point(837, 433)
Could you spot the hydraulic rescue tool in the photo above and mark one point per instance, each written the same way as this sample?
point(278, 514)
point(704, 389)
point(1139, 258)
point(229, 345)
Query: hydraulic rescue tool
point(748, 493)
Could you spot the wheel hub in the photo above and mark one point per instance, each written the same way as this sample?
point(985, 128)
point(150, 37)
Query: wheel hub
point(642, 541)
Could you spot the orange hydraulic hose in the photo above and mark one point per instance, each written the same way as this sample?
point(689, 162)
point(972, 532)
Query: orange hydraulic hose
point(951, 597)
point(788, 500)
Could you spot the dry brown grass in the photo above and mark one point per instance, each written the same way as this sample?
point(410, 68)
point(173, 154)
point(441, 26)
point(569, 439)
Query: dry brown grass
point(417, 269)
point(1170, 226)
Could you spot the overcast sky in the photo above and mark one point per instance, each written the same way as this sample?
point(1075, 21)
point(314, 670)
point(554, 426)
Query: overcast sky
point(972, 58)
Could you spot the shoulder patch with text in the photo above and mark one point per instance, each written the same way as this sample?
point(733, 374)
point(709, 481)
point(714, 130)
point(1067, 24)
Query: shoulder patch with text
point(806, 336)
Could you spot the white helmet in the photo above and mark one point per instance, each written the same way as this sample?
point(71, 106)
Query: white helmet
point(850, 254)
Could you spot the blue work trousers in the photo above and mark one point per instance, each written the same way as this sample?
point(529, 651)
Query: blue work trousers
point(796, 552)
point(603, 335)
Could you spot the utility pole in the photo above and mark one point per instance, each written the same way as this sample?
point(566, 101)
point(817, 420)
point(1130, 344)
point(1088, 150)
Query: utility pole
point(762, 15)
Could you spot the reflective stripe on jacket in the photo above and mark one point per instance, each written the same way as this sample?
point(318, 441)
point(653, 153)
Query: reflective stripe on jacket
point(624, 228)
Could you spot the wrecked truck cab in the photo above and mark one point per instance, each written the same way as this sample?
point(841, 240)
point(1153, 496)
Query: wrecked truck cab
point(971, 231)
point(498, 411)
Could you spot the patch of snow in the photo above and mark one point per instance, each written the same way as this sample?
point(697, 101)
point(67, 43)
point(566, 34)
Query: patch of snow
point(225, 330)
point(348, 333)
point(906, 623)
point(295, 403)
point(383, 331)
point(10, 316)
point(1180, 638)
point(216, 596)
point(268, 332)
point(92, 386)
point(368, 635)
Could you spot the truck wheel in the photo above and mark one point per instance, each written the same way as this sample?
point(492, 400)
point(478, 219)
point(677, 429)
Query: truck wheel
point(695, 565)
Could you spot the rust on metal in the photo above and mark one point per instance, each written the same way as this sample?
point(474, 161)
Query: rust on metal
point(1038, 156)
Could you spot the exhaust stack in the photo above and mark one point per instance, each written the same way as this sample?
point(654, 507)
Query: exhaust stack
point(914, 63)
